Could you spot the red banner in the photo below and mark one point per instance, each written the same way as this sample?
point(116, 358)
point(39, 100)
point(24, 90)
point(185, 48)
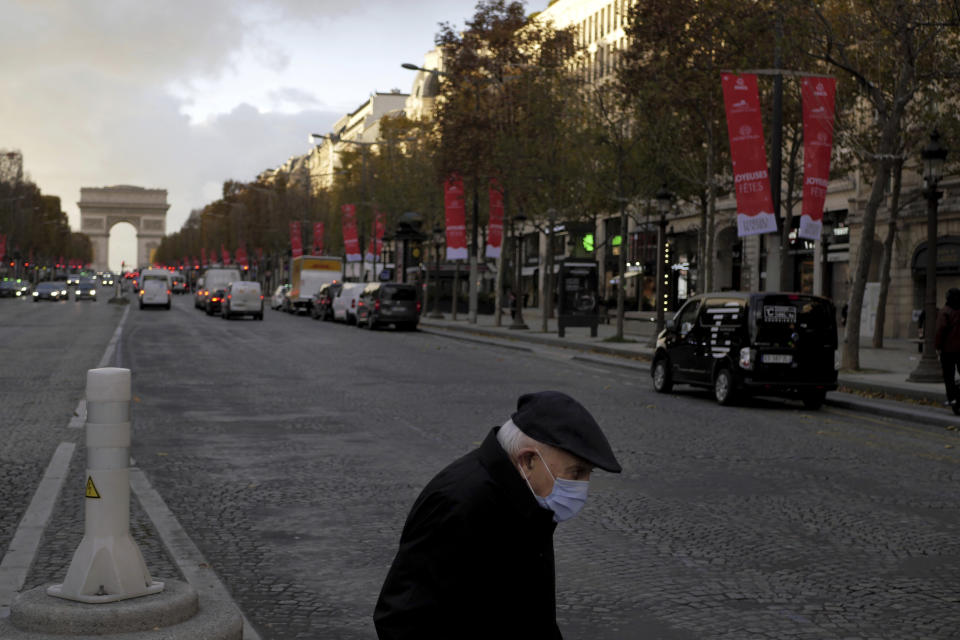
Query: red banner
point(241, 256)
point(224, 255)
point(203, 256)
point(818, 100)
point(455, 206)
point(318, 238)
point(495, 225)
point(296, 241)
point(755, 213)
point(3, 246)
point(259, 254)
point(351, 244)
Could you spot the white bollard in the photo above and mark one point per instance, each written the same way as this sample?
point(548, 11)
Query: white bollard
point(107, 566)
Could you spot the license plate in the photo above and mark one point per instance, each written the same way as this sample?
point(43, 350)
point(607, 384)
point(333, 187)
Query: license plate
point(777, 358)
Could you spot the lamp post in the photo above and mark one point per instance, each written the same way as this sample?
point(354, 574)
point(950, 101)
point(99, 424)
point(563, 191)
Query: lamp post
point(664, 202)
point(438, 236)
point(933, 154)
point(518, 322)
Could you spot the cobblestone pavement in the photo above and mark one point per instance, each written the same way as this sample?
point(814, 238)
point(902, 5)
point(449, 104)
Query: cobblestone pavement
point(291, 451)
point(45, 351)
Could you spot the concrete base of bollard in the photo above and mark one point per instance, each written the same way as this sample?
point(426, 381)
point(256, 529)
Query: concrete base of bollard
point(177, 613)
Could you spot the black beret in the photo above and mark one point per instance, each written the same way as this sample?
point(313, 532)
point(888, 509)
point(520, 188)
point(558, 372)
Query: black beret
point(554, 418)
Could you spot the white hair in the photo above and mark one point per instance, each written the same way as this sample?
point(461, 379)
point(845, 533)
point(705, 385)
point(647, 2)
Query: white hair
point(513, 440)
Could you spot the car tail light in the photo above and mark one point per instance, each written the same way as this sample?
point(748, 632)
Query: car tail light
point(376, 305)
point(353, 304)
point(214, 299)
point(141, 291)
point(230, 297)
point(168, 291)
point(261, 297)
point(747, 357)
point(418, 306)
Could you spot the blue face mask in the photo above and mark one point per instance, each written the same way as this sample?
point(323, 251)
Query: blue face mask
point(567, 497)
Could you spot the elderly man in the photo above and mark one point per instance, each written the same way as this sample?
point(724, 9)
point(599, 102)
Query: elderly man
point(476, 553)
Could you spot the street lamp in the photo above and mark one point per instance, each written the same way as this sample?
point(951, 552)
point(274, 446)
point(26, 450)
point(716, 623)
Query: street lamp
point(518, 322)
point(664, 202)
point(934, 154)
point(438, 237)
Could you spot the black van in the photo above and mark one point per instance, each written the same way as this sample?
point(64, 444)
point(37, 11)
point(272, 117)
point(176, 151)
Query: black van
point(742, 343)
point(388, 303)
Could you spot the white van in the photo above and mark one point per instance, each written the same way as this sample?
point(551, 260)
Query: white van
point(242, 298)
point(345, 304)
point(155, 288)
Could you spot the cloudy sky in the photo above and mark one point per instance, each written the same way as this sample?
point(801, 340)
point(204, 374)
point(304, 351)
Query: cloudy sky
point(182, 95)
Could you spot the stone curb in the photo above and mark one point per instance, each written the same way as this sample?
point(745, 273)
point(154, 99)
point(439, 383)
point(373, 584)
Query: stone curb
point(521, 336)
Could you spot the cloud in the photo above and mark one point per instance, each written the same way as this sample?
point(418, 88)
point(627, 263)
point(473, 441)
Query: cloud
point(184, 94)
point(290, 96)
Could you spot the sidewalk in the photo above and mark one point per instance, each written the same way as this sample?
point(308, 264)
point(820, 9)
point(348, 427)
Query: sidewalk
point(880, 387)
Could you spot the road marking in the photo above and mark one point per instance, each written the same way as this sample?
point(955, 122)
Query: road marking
point(26, 540)
point(181, 548)
point(114, 341)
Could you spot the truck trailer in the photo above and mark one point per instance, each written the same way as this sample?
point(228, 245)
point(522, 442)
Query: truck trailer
point(307, 274)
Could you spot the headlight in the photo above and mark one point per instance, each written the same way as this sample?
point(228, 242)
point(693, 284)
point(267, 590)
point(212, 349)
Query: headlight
point(19, 292)
point(35, 293)
point(92, 292)
point(64, 292)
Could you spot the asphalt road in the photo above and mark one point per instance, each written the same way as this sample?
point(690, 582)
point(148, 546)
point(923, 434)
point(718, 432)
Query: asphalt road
point(291, 451)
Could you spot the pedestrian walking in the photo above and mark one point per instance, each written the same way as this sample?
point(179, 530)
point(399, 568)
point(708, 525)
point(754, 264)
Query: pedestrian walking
point(476, 553)
point(947, 342)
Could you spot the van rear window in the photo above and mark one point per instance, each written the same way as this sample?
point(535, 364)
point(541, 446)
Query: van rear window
point(780, 317)
point(400, 294)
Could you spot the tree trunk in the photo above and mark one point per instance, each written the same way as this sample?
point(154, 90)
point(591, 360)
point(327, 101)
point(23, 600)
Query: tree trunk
point(851, 340)
point(546, 296)
point(888, 255)
point(622, 279)
point(704, 275)
point(709, 224)
point(498, 295)
point(786, 273)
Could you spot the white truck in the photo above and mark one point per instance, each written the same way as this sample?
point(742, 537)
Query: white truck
point(307, 274)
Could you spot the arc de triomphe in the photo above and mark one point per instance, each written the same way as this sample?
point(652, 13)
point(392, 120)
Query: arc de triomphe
point(104, 207)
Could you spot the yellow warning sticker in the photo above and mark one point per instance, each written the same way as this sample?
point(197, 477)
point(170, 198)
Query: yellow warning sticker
point(92, 488)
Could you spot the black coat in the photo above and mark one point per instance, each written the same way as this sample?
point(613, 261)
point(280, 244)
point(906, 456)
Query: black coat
point(475, 558)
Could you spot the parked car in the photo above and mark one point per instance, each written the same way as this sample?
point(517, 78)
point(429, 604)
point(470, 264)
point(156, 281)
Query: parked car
point(242, 298)
point(321, 307)
point(345, 302)
point(51, 291)
point(276, 300)
point(214, 301)
point(751, 343)
point(86, 290)
point(383, 303)
point(155, 288)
